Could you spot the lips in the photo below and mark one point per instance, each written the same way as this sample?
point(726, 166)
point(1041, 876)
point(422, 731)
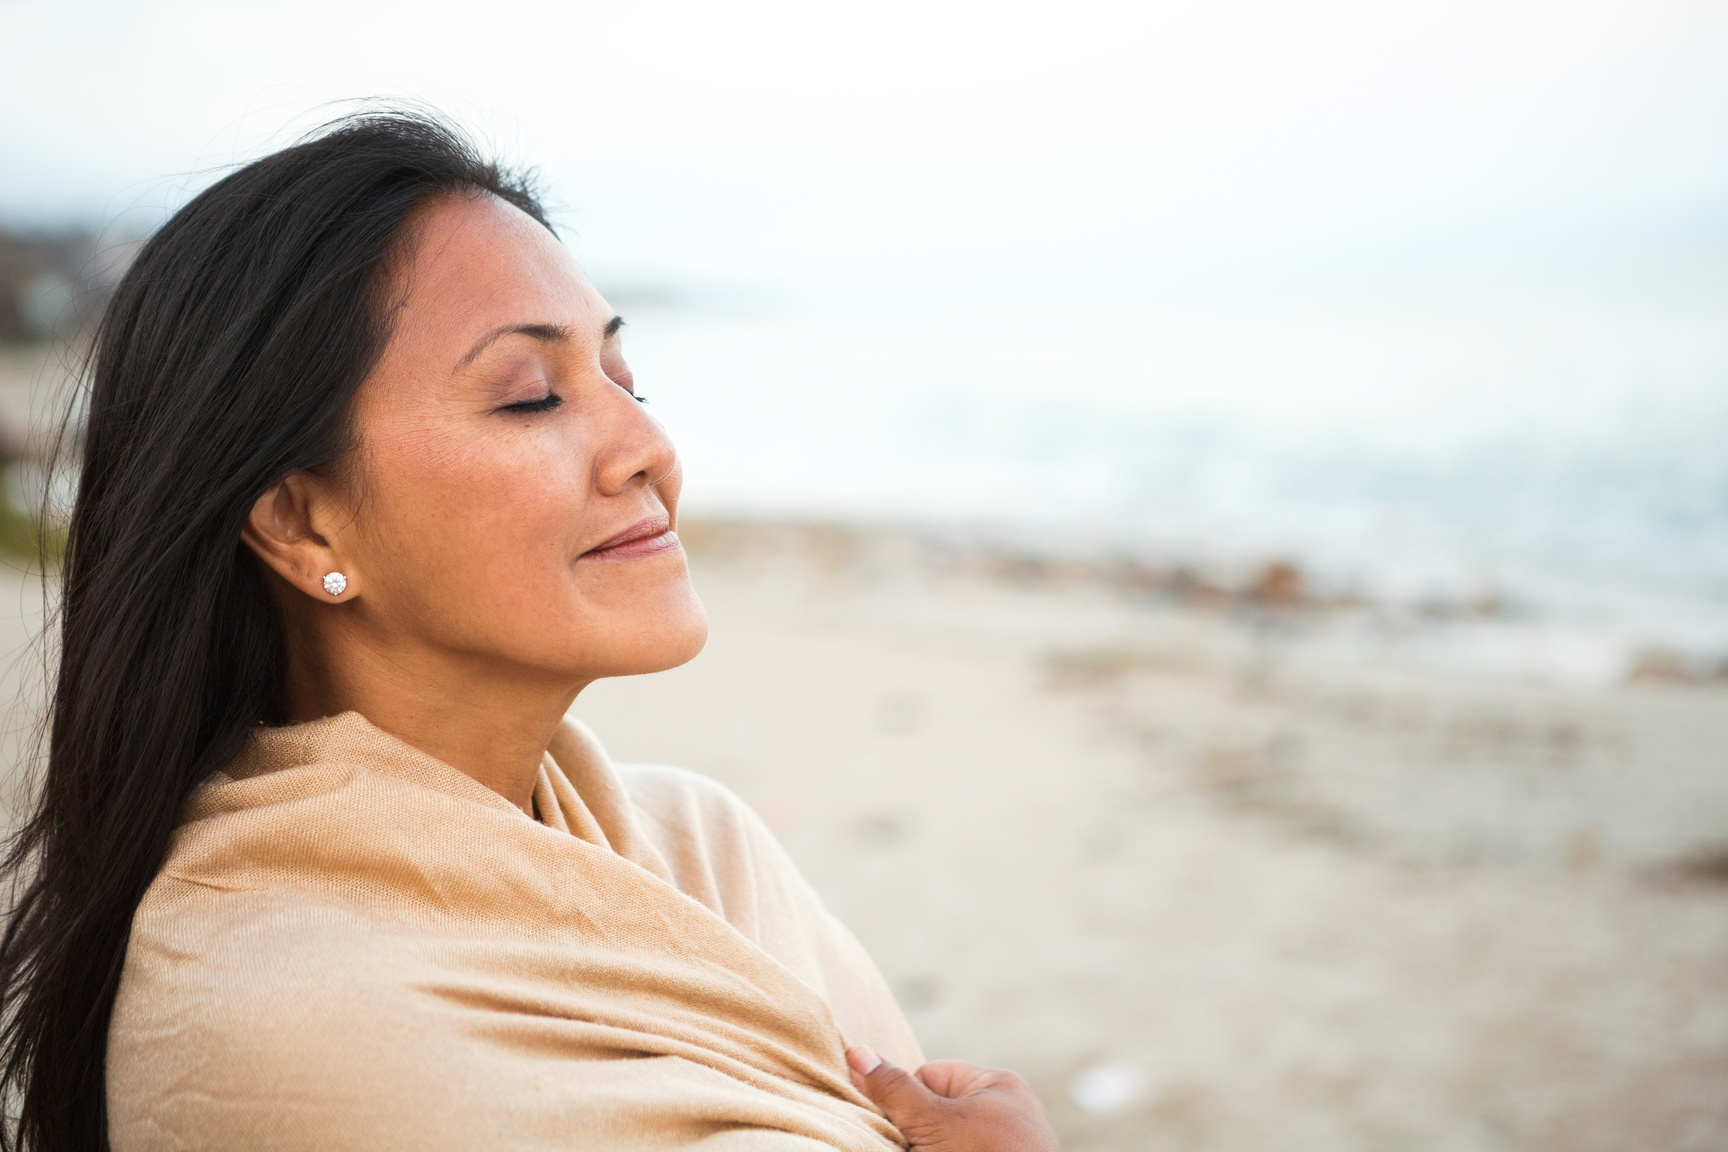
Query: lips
point(644, 538)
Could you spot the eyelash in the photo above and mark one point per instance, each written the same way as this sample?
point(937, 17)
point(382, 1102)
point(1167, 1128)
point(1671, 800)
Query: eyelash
point(545, 404)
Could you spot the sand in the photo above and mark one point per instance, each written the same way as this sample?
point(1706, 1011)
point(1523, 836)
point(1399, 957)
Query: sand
point(1230, 881)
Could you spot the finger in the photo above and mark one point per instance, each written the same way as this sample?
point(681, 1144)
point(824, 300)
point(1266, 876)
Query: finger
point(902, 1097)
point(952, 1078)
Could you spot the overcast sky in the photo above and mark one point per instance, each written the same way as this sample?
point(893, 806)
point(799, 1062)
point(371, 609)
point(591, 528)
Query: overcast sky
point(703, 138)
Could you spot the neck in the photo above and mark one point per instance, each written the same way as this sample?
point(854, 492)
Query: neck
point(492, 723)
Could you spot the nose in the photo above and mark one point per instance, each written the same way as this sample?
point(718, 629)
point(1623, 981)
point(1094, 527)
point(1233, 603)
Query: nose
point(635, 450)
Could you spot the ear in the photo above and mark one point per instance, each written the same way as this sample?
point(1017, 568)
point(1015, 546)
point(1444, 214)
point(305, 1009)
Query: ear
point(283, 529)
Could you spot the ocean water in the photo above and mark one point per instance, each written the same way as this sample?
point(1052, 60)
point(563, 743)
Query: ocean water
point(1555, 447)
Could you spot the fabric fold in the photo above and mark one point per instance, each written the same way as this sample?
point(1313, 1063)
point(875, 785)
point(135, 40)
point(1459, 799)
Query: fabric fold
point(354, 945)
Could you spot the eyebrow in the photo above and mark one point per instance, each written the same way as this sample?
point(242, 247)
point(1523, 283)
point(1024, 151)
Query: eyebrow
point(551, 333)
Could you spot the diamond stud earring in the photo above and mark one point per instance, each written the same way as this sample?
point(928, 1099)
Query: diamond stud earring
point(335, 583)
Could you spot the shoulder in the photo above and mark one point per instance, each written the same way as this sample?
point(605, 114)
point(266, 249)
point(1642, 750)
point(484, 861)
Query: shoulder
point(232, 962)
point(721, 853)
point(677, 796)
point(247, 1003)
point(694, 817)
point(718, 850)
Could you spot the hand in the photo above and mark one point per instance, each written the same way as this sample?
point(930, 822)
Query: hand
point(953, 1106)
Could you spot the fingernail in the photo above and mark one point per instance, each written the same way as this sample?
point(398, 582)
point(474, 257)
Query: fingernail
point(863, 1060)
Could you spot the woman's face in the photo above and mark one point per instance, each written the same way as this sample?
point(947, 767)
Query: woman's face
point(512, 503)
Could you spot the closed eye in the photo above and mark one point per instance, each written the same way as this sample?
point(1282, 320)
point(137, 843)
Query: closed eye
point(545, 404)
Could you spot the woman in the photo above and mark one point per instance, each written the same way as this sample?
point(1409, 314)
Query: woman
point(318, 863)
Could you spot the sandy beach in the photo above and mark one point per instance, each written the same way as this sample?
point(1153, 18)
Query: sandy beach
point(1215, 874)
point(1215, 867)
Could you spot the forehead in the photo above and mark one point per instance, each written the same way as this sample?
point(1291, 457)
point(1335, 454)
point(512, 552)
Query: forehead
point(476, 263)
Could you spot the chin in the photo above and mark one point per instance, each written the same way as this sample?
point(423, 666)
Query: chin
point(683, 648)
point(661, 637)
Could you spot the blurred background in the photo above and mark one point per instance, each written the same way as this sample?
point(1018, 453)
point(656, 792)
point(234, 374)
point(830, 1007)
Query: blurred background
point(1215, 516)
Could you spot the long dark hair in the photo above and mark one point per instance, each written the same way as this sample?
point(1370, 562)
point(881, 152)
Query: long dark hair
point(226, 360)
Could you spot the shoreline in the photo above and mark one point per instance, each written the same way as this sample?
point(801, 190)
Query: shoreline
point(1486, 629)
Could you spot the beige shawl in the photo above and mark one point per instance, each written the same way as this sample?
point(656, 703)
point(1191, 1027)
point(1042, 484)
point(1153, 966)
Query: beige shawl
point(355, 946)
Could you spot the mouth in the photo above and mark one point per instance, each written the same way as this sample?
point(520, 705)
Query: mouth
point(648, 537)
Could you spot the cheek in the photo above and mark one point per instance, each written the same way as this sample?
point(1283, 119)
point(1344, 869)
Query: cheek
point(487, 523)
point(472, 546)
